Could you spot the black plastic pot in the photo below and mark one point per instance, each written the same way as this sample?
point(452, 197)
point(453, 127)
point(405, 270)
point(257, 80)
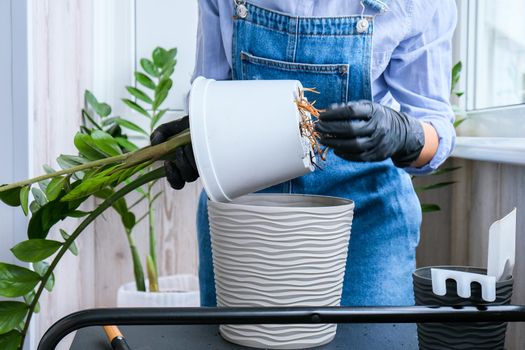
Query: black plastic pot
point(460, 336)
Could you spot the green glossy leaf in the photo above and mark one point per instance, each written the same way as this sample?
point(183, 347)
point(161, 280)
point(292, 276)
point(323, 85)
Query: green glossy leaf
point(48, 215)
point(458, 122)
point(126, 144)
point(73, 247)
point(78, 214)
point(136, 107)
point(41, 268)
point(24, 199)
point(16, 281)
point(121, 206)
point(55, 187)
point(456, 74)
point(48, 169)
point(102, 109)
point(11, 340)
point(68, 161)
point(11, 197)
point(131, 126)
point(35, 250)
point(39, 196)
point(158, 117)
point(145, 81)
point(91, 186)
point(168, 71)
point(428, 208)
point(34, 207)
point(149, 67)
point(85, 145)
point(160, 57)
point(90, 99)
point(29, 298)
point(172, 53)
point(435, 186)
point(87, 116)
point(43, 184)
point(104, 193)
point(104, 142)
point(139, 94)
point(128, 220)
point(11, 314)
point(162, 92)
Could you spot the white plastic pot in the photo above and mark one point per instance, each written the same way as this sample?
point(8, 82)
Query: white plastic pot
point(280, 250)
point(246, 135)
point(175, 291)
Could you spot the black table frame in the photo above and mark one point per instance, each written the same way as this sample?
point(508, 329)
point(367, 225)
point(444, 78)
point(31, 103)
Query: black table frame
point(282, 315)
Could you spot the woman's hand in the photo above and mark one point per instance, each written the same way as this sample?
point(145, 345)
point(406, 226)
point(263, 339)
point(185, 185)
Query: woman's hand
point(182, 168)
point(365, 131)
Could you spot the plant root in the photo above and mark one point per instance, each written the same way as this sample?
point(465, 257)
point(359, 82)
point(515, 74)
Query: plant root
point(309, 117)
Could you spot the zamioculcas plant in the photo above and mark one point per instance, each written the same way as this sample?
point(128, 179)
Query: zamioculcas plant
point(108, 166)
point(150, 91)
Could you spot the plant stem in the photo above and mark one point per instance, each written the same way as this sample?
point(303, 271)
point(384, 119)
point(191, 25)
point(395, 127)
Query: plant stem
point(152, 238)
point(138, 270)
point(149, 153)
point(108, 203)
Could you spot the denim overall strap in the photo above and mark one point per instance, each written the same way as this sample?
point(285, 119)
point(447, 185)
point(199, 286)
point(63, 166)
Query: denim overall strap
point(377, 5)
point(333, 55)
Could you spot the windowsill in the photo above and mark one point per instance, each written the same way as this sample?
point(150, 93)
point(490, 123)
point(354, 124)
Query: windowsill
point(510, 150)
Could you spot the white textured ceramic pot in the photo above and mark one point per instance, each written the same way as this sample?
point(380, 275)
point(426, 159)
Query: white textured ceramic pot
point(241, 141)
point(280, 250)
point(175, 291)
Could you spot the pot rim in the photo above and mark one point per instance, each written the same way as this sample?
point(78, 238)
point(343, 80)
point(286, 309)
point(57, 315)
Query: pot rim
point(238, 203)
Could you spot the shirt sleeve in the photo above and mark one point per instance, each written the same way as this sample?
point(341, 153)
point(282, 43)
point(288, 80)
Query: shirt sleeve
point(211, 61)
point(419, 73)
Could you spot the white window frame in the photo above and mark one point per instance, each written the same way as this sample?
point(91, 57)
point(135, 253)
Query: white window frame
point(15, 134)
point(492, 134)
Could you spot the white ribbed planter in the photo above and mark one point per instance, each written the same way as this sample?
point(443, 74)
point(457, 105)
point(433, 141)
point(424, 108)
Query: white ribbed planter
point(243, 143)
point(280, 250)
point(176, 291)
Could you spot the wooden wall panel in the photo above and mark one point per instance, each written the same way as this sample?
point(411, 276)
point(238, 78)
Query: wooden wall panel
point(435, 237)
point(61, 44)
point(492, 191)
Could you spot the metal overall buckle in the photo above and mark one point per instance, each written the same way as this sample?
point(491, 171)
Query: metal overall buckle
point(240, 8)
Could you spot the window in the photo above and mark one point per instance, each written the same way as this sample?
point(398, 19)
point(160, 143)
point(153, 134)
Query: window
point(498, 52)
point(490, 41)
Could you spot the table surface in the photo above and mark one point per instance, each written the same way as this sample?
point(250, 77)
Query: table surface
point(360, 336)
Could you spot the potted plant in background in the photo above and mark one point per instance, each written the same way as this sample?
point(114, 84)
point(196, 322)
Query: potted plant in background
point(173, 291)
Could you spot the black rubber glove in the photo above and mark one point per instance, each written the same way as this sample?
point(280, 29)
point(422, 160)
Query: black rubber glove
point(364, 131)
point(182, 168)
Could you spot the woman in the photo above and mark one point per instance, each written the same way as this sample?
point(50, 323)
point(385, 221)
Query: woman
point(360, 56)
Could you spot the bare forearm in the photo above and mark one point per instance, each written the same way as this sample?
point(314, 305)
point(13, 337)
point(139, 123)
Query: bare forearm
point(430, 147)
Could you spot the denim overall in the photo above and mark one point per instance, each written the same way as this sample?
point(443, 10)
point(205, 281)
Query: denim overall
point(332, 55)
